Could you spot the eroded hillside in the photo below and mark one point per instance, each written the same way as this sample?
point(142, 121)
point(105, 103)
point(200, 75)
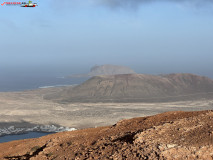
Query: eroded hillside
point(171, 135)
point(138, 88)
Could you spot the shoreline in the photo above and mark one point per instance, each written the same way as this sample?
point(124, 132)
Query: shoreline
point(24, 127)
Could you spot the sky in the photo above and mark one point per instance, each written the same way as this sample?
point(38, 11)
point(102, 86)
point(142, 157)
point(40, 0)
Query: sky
point(70, 36)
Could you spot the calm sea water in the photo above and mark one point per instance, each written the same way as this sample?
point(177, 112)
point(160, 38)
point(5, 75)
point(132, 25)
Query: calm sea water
point(22, 136)
point(26, 82)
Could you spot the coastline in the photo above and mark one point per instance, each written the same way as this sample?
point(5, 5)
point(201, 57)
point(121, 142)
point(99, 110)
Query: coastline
point(24, 127)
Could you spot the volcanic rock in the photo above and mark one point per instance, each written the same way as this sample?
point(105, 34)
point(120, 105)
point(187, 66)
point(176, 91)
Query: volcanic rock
point(167, 136)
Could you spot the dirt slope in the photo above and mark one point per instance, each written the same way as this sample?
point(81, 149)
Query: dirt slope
point(138, 88)
point(171, 135)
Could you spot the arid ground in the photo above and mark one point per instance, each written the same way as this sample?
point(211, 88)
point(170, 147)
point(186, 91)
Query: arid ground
point(167, 136)
point(29, 106)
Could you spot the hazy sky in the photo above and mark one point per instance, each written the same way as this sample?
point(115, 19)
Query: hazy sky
point(70, 36)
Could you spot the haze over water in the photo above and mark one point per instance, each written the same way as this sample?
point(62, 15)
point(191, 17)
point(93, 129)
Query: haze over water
point(17, 80)
point(26, 79)
point(59, 38)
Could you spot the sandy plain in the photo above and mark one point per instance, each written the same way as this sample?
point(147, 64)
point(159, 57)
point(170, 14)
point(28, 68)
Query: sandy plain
point(30, 107)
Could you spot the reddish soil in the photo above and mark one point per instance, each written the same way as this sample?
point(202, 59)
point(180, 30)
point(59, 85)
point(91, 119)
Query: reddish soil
point(171, 135)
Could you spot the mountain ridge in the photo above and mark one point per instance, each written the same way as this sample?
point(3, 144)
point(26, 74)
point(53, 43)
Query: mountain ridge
point(137, 88)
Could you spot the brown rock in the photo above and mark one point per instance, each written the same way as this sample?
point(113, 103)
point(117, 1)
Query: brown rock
point(153, 137)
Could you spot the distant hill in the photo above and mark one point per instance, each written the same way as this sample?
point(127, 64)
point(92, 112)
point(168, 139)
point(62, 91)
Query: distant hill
point(105, 70)
point(137, 88)
point(110, 70)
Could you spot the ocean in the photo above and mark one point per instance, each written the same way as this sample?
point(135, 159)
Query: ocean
point(29, 81)
point(28, 135)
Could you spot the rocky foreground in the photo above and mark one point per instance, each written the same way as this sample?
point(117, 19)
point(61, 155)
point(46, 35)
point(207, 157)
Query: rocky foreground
point(171, 135)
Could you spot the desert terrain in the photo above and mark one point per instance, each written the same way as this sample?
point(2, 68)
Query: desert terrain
point(102, 129)
point(30, 107)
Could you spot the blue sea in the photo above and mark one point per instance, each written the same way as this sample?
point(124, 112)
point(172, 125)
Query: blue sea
point(28, 135)
point(19, 81)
